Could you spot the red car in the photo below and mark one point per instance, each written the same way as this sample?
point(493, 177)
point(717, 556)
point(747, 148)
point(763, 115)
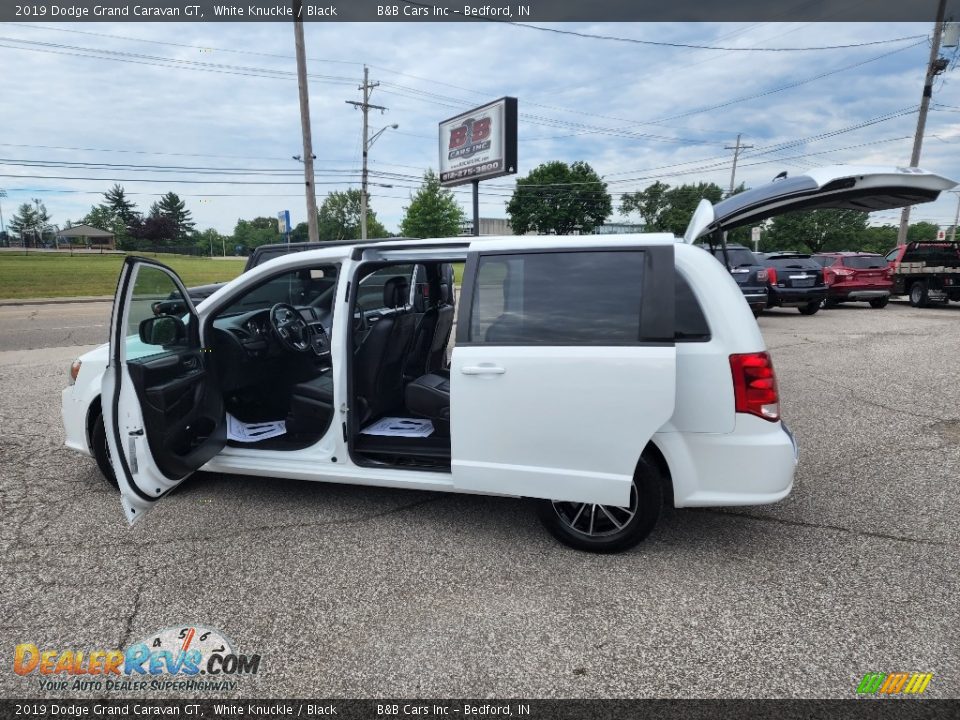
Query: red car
point(856, 277)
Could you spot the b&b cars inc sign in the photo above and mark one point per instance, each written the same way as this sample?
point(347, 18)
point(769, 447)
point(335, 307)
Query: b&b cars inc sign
point(479, 144)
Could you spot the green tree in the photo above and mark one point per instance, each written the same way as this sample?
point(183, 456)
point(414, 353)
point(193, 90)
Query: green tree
point(117, 202)
point(210, 242)
point(249, 234)
point(669, 209)
point(23, 222)
point(877, 238)
point(433, 211)
point(559, 198)
point(339, 217)
point(171, 207)
point(118, 215)
point(816, 230)
point(922, 231)
point(300, 233)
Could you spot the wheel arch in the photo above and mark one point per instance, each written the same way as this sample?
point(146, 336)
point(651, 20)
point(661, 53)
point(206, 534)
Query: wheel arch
point(93, 411)
point(654, 455)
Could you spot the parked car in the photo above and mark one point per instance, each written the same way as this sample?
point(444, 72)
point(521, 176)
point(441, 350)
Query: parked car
point(795, 280)
point(604, 376)
point(856, 277)
point(926, 271)
point(748, 271)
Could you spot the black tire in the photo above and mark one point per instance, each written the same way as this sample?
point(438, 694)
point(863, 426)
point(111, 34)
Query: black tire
point(918, 294)
point(98, 443)
point(830, 303)
point(563, 520)
point(879, 302)
point(810, 308)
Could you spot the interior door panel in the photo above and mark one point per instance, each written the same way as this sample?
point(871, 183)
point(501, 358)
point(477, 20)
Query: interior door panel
point(181, 406)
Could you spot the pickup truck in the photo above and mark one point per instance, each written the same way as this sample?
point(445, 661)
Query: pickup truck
point(926, 272)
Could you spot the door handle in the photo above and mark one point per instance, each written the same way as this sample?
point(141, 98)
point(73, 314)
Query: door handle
point(483, 370)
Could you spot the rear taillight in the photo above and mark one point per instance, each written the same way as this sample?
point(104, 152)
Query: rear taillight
point(762, 276)
point(828, 276)
point(843, 274)
point(889, 273)
point(772, 276)
point(755, 385)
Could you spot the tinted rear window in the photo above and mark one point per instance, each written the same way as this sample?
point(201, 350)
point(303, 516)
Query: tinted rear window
point(690, 324)
point(737, 256)
point(793, 263)
point(824, 260)
point(861, 262)
point(558, 298)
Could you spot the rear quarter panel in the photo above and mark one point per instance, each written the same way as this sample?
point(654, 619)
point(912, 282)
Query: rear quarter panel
point(704, 392)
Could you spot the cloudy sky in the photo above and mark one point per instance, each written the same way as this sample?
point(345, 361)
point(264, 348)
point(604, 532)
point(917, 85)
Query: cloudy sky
point(210, 111)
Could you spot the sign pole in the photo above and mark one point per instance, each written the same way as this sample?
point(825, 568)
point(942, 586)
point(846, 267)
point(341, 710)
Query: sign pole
point(476, 207)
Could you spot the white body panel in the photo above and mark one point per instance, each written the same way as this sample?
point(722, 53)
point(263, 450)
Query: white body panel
point(557, 422)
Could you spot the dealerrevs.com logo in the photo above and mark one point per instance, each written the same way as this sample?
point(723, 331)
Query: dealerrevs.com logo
point(176, 658)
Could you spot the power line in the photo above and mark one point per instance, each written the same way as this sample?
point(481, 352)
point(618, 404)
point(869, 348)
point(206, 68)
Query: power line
point(693, 46)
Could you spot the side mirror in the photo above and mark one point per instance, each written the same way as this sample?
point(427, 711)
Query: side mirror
point(162, 330)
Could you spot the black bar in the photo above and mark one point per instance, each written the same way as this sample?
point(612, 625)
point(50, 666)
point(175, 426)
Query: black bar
point(481, 12)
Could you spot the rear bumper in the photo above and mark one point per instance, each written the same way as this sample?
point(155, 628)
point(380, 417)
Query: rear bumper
point(753, 465)
point(755, 295)
point(862, 294)
point(797, 296)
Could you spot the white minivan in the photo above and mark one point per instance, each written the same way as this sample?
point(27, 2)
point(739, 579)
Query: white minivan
point(602, 375)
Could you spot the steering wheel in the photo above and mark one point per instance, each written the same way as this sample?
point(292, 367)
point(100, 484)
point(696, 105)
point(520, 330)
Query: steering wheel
point(290, 328)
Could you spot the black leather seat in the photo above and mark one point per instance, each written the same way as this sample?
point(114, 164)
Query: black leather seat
point(429, 396)
point(378, 361)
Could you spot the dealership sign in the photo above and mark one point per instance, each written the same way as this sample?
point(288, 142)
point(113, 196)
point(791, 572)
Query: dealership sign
point(479, 144)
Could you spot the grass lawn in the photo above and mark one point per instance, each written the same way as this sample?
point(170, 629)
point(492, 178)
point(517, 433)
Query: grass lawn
point(53, 275)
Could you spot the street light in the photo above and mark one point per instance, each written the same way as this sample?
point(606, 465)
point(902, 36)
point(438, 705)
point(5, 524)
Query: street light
point(363, 185)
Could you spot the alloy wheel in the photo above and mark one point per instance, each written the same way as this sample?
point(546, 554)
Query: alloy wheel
point(593, 520)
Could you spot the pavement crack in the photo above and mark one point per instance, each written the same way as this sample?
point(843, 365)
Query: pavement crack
point(137, 595)
point(825, 526)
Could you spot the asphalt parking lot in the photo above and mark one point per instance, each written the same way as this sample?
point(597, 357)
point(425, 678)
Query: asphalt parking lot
point(361, 592)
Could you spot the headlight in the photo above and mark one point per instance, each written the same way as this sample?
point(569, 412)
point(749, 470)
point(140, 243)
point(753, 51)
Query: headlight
point(74, 371)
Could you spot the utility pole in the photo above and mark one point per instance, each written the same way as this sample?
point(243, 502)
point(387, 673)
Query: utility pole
point(308, 178)
point(935, 66)
point(736, 156)
point(956, 219)
point(3, 194)
point(365, 106)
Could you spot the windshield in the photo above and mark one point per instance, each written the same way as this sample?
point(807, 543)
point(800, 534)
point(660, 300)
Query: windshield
point(303, 286)
point(865, 262)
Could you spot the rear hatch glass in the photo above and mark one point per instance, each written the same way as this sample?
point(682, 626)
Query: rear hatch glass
point(865, 262)
point(796, 271)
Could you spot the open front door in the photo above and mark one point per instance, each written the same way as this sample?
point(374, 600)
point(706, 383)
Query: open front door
point(564, 366)
point(162, 409)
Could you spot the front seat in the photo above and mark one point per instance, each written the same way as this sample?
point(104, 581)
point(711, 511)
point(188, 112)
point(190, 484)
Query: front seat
point(378, 362)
